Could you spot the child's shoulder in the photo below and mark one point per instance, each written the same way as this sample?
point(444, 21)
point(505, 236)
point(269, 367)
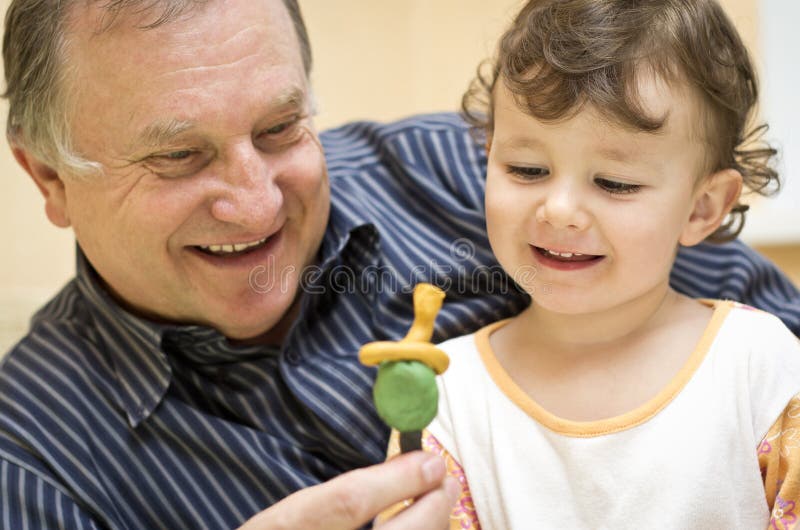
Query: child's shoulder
point(750, 366)
point(763, 353)
point(755, 324)
point(761, 339)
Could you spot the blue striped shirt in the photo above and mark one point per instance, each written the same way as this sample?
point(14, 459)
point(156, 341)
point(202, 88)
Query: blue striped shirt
point(108, 420)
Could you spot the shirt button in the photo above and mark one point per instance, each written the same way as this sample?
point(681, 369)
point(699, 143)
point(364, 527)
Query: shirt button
point(293, 358)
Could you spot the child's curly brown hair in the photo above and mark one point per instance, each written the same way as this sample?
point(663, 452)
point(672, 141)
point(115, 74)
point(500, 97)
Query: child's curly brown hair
point(559, 55)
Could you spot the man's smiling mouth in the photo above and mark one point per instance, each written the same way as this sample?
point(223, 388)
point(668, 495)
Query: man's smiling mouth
point(234, 249)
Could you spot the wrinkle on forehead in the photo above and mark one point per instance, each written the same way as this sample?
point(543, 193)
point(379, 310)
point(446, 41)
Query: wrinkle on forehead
point(185, 42)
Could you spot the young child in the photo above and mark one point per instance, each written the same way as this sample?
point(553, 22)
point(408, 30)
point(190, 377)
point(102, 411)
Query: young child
point(616, 131)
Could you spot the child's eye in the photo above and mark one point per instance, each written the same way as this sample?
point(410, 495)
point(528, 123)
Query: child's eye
point(528, 173)
point(613, 186)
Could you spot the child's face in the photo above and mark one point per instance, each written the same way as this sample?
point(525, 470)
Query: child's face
point(613, 202)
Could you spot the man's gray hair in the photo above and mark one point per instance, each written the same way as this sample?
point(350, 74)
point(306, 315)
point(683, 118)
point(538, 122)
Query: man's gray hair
point(37, 70)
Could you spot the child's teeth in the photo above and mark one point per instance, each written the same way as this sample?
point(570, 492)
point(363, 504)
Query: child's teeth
point(564, 254)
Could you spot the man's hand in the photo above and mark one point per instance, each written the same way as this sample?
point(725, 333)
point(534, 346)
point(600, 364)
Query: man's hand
point(355, 498)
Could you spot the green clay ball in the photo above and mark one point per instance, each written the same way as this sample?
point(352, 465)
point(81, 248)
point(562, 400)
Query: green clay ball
point(406, 395)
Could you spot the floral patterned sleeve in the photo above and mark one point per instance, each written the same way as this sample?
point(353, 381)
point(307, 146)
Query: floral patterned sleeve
point(779, 459)
point(463, 516)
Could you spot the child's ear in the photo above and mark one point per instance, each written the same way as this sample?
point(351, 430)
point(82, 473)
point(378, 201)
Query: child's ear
point(713, 199)
point(49, 183)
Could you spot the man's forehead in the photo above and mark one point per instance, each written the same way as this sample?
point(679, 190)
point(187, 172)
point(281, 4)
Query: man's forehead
point(215, 36)
point(221, 71)
point(96, 18)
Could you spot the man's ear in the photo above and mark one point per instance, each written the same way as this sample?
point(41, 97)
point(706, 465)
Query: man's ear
point(49, 183)
point(713, 200)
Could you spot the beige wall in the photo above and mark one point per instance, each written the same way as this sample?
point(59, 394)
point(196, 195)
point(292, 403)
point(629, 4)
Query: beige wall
point(373, 60)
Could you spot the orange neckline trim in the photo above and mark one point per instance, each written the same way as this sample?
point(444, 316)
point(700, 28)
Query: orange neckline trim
point(586, 429)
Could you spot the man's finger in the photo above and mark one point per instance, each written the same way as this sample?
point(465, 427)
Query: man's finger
point(429, 512)
point(355, 498)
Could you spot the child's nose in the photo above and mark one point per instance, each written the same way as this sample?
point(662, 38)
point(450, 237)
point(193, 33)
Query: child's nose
point(563, 209)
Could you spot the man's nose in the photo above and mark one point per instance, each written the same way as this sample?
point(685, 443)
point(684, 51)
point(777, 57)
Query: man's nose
point(250, 197)
point(563, 206)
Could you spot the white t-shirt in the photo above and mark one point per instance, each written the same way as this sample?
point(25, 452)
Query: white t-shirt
point(686, 459)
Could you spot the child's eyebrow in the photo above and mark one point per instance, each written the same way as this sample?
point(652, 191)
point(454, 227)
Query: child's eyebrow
point(618, 155)
point(521, 142)
point(609, 152)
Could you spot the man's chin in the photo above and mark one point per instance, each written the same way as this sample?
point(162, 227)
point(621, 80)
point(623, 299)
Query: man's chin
point(263, 331)
point(254, 335)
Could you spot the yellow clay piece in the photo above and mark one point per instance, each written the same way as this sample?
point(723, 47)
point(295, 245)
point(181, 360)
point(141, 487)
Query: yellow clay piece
point(427, 303)
point(375, 353)
point(416, 345)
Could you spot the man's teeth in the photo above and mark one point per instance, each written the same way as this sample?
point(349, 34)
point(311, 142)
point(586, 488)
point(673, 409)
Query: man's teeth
point(238, 247)
point(563, 254)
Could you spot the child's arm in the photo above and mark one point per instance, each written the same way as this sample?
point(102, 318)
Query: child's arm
point(779, 459)
point(463, 516)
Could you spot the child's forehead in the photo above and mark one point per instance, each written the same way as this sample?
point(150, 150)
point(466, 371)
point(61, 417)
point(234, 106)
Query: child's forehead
point(592, 134)
point(669, 100)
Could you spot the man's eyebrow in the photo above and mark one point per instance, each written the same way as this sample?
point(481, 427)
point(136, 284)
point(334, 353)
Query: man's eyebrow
point(162, 132)
point(293, 97)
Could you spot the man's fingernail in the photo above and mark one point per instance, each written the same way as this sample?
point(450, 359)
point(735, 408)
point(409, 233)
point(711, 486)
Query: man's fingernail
point(433, 470)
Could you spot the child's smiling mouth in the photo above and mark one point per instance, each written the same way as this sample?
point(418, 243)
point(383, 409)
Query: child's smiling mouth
point(566, 256)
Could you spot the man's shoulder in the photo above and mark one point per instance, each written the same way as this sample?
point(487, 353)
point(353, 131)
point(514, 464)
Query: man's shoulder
point(51, 383)
point(431, 159)
point(362, 142)
point(59, 329)
point(369, 130)
point(51, 368)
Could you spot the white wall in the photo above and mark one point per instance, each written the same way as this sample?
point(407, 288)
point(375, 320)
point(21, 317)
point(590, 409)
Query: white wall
point(777, 219)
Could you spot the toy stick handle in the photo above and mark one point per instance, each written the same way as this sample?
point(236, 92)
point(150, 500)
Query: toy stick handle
point(410, 441)
point(427, 302)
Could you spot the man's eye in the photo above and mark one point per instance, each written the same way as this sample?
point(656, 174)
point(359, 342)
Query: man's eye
point(178, 155)
point(280, 136)
point(277, 129)
point(180, 163)
point(613, 186)
point(282, 127)
point(528, 173)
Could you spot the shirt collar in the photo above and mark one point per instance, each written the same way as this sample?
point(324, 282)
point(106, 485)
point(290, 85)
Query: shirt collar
point(132, 344)
point(347, 227)
point(140, 349)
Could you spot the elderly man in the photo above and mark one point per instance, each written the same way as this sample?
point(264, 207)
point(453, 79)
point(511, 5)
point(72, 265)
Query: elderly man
point(201, 366)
